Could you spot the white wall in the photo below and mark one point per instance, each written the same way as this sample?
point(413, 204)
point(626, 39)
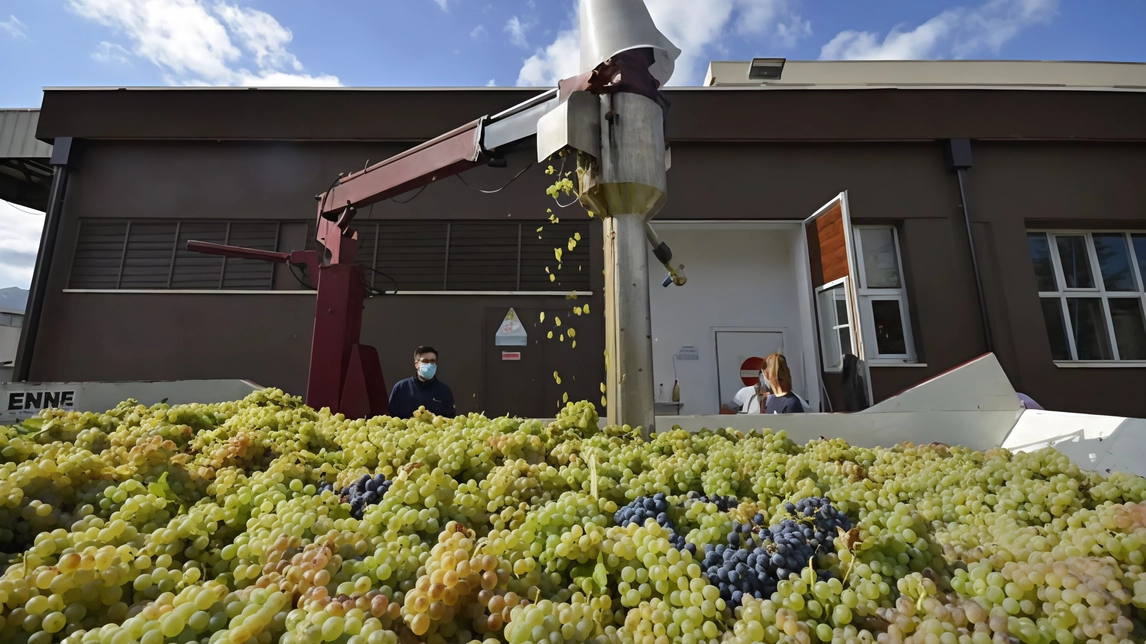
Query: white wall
point(740, 275)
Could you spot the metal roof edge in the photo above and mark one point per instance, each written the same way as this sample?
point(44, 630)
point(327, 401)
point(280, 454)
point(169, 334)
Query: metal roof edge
point(671, 88)
point(229, 88)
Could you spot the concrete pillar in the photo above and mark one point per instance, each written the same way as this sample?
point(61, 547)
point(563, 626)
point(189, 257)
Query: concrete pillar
point(627, 187)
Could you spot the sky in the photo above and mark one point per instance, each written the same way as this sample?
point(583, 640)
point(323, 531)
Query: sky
point(410, 43)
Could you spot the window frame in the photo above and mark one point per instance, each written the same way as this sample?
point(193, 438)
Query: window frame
point(841, 283)
point(1098, 291)
point(866, 296)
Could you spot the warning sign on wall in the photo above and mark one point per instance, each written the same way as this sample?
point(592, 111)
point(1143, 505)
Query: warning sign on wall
point(750, 371)
point(511, 333)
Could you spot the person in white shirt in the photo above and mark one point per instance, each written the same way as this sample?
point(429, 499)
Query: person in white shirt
point(747, 400)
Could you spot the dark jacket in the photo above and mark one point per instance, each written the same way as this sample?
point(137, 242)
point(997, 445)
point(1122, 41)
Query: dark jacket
point(411, 393)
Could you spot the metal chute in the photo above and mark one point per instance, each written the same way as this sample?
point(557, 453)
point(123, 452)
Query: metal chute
point(609, 27)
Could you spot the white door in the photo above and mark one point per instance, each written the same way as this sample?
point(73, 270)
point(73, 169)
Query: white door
point(735, 348)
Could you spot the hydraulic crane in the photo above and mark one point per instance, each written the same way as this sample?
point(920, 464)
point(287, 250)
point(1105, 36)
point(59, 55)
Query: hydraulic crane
point(611, 115)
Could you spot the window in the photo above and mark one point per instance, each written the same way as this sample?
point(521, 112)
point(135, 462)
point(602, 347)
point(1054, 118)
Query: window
point(472, 256)
point(153, 255)
point(1091, 287)
point(882, 296)
point(15, 320)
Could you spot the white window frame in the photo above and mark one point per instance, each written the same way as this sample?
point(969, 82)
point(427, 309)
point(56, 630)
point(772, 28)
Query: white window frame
point(1097, 292)
point(838, 365)
point(867, 295)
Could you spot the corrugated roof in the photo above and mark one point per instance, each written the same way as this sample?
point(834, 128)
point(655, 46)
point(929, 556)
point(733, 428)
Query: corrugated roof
point(18, 135)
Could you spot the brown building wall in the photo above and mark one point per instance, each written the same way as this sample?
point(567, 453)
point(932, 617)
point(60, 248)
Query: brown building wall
point(266, 337)
point(1012, 185)
point(1016, 186)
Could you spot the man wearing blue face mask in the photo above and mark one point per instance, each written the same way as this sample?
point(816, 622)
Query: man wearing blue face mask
point(423, 389)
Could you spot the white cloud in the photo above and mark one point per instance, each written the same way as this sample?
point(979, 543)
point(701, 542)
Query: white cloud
point(14, 27)
point(478, 31)
point(697, 28)
point(111, 53)
point(955, 33)
point(19, 242)
point(558, 61)
point(259, 33)
point(516, 30)
point(492, 83)
point(444, 4)
point(193, 45)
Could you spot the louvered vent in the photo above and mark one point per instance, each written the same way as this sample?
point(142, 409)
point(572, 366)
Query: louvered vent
point(153, 255)
point(99, 255)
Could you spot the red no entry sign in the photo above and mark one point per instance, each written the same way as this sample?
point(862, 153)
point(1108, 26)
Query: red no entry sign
point(750, 371)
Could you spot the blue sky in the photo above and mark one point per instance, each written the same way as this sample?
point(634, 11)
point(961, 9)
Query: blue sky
point(481, 42)
point(473, 42)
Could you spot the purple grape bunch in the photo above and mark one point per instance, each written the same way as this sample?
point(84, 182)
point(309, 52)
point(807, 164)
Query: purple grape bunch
point(654, 507)
point(757, 558)
point(362, 493)
point(722, 503)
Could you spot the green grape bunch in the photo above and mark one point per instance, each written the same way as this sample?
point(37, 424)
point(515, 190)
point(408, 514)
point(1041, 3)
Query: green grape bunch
point(220, 524)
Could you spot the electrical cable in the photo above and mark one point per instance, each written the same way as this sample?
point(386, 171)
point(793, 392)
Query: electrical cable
point(299, 279)
point(322, 206)
point(392, 280)
point(416, 194)
point(493, 192)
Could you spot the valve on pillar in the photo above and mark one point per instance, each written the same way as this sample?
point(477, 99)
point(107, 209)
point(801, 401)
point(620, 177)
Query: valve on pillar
point(664, 255)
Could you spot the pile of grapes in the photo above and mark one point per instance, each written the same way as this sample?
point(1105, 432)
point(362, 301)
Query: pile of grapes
point(263, 521)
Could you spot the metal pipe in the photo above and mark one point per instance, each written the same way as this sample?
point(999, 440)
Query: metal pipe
point(208, 248)
point(628, 187)
point(628, 323)
point(31, 327)
point(975, 262)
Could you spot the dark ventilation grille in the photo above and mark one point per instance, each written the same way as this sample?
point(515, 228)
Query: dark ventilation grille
point(196, 271)
point(250, 274)
point(483, 256)
point(414, 254)
point(99, 255)
point(153, 255)
point(471, 255)
point(147, 261)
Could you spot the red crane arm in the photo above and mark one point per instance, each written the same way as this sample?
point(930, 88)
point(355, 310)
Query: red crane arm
point(449, 154)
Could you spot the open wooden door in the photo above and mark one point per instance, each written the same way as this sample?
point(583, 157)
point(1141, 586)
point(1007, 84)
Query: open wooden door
point(832, 265)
